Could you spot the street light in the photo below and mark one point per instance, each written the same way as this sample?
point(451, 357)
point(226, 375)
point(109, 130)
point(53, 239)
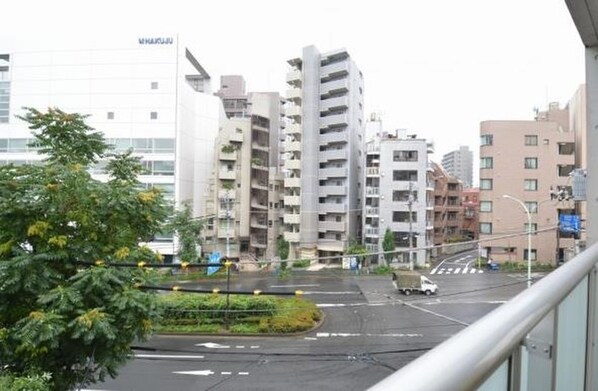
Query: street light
point(529, 237)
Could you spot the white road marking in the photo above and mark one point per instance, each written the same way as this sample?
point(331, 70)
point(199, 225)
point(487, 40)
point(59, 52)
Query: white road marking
point(449, 270)
point(226, 373)
point(243, 373)
point(254, 347)
point(212, 345)
point(293, 286)
point(205, 372)
point(473, 270)
point(480, 271)
point(441, 271)
point(344, 335)
point(310, 338)
point(166, 356)
point(433, 271)
point(457, 270)
point(331, 293)
point(465, 270)
point(240, 347)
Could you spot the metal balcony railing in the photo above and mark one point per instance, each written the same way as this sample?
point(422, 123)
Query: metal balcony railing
point(542, 339)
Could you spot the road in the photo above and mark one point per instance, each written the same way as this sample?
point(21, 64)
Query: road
point(369, 331)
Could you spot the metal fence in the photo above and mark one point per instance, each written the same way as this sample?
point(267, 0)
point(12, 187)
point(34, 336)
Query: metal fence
point(543, 339)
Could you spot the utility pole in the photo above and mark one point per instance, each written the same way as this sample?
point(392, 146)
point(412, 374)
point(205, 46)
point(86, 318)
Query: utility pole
point(410, 203)
point(227, 201)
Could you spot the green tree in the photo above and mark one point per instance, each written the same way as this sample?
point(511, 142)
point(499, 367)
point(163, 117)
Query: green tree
point(388, 244)
point(73, 322)
point(357, 250)
point(283, 248)
point(188, 230)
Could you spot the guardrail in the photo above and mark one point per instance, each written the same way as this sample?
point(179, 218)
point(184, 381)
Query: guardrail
point(542, 339)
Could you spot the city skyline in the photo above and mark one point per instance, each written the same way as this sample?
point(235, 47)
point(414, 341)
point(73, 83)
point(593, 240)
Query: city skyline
point(426, 68)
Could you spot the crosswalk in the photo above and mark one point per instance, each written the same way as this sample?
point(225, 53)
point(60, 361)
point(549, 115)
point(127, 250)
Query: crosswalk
point(456, 270)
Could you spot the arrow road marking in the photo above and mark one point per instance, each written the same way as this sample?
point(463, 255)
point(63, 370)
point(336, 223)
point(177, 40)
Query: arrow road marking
point(205, 372)
point(212, 345)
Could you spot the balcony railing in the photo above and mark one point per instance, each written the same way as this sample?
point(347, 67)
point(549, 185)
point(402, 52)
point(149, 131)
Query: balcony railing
point(542, 339)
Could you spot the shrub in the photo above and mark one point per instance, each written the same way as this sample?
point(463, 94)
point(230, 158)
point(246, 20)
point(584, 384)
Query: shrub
point(301, 263)
point(383, 270)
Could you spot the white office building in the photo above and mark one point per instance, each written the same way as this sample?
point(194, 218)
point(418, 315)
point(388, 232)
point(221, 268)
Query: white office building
point(323, 147)
point(145, 93)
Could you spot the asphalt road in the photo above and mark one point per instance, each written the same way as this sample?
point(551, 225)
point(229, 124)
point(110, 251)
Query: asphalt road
point(369, 331)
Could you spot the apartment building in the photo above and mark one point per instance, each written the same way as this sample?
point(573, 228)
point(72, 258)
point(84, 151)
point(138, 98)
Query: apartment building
point(528, 161)
point(244, 194)
point(398, 196)
point(448, 207)
point(324, 150)
point(471, 212)
point(459, 164)
point(148, 94)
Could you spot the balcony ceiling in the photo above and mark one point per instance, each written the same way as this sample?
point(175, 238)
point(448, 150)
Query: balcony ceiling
point(585, 17)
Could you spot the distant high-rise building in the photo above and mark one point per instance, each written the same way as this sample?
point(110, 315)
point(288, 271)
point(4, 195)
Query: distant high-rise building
point(529, 161)
point(397, 196)
point(233, 95)
point(324, 148)
point(459, 163)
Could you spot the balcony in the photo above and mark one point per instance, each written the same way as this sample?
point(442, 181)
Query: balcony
point(334, 137)
point(236, 137)
point(325, 173)
point(324, 191)
point(292, 237)
point(294, 94)
point(223, 214)
point(341, 102)
point(292, 182)
point(371, 231)
point(224, 232)
point(333, 87)
point(372, 171)
point(542, 339)
point(260, 224)
point(292, 200)
point(292, 164)
point(334, 70)
point(260, 147)
point(292, 129)
point(294, 77)
point(372, 191)
point(260, 185)
point(332, 208)
point(260, 241)
point(292, 218)
point(333, 154)
point(225, 174)
point(372, 211)
point(334, 121)
point(230, 156)
point(256, 204)
point(325, 226)
point(293, 111)
point(292, 146)
point(223, 194)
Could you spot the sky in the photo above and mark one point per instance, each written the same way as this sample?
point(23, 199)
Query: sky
point(437, 68)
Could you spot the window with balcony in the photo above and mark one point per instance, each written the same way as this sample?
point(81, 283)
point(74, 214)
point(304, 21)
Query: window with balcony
point(531, 139)
point(565, 169)
point(403, 217)
point(566, 148)
point(485, 139)
point(403, 195)
point(486, 162)
point(530, 163)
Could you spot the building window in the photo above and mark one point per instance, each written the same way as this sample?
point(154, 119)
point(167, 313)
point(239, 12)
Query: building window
point(404, 156)
point(403, 217)
point(110, 115)
point(525, 257)
point(530, 163)
point(154, 85)
point(485, 184)
point(485, 228)
point(530, 185)
point(486, 162)
point(403, 196)
point(534, 227)
point(531, 139)
point(154, 115)
point(532, 206)
point(485, 139)
point(566, 148)
point(404, 175)
point(485, 206)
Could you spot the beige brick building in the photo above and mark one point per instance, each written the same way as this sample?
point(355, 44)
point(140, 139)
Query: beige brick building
point(526, 160)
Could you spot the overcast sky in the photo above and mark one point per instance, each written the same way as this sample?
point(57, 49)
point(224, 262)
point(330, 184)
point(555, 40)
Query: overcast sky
point(435, 67)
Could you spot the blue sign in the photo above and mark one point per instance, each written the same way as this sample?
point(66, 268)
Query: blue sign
point(214, 258)
point(570, 223)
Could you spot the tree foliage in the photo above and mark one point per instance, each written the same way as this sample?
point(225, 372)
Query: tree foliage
point(75, 323)
point(283, 248)
point(357, 250)
point(388, 244)
point(188, 230)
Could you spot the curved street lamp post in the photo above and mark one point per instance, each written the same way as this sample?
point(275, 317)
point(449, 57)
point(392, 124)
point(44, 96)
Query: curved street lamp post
point(529, 237)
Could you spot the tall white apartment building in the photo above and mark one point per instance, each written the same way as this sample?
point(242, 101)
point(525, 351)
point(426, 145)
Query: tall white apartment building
point(459, 163)
point(399, 195)
point(145, 93)
point(323, 147)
